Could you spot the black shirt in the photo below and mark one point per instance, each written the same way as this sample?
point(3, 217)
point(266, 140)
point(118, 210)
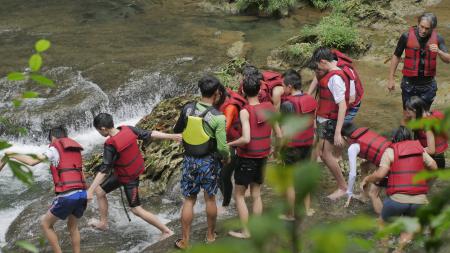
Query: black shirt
point(110, 154)
point(401, 46)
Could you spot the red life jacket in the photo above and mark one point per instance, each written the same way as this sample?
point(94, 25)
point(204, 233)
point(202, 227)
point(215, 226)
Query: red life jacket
point(372, 145)
point(271, 79)
point(260, 132)
point(412, 55)
point(305, 105)
point(68, 175)
point(440, 141)
point(130, 163)
point(408, 161)
point(345, 63)
point(327, 106)
point(235, 131)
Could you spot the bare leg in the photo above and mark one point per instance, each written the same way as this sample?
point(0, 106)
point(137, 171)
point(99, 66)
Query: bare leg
point(47, 222)
point(211, 216)
point(255, 190)
point(187, 215)
point(72, 226)
point(239, 198)
point(374, 195)
point(332, 163)
point(290, 196)
point(307, 202)
point(152, 220)
point(103, 210)
point(405, 238)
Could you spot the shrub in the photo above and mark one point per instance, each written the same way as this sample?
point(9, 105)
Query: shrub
point(266, 6)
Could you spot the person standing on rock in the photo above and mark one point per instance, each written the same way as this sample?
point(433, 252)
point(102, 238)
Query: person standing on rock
point(122, 156)
point(204, 140)
point(421, 44)
point(66, 165)
point(253, 148)
point(333, 100)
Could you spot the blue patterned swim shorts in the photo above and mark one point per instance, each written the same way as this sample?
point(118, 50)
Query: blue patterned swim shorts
point(200, 173)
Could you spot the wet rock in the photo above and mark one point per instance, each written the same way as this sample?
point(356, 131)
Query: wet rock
point(238, 49)
point(219, 7)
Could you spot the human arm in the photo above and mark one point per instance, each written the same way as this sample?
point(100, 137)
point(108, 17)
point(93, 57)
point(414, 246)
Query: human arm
point(221, 138)
point(109, 156)
point(338, 140)
point(429, 162)
point(313, 86)
point(99, 178)
point(395, 60)
point(441, 50)
point(431, 147)
point(27, 159)
point(385, 164)
point(245, 138)
point(277, 92)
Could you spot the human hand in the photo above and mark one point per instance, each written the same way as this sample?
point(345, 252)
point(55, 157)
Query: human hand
point(352, 99)
point(363, 185)
point(391, 85)
point(338, 140)
point(434, 48)
point(348, 201)
point(177, 137)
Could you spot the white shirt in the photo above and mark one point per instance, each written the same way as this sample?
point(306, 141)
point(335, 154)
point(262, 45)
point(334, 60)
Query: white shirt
point(337, 87)
point(353, 152)
point(52, 155)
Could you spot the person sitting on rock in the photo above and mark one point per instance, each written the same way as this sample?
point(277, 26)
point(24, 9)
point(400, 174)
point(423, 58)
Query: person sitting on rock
point(253, 148)
point(64, 155)
point(204, 140)
point(121, 154)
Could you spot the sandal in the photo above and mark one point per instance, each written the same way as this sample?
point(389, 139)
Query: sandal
point(180, 244)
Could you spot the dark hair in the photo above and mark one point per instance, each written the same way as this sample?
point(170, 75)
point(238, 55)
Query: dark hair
point(208, 85)
point(293, 78)
point(430, 17)
point(251, 85)
point(417, 105)
point(57, 132)
point(223, 95)
point(322, 53)
point(348, 129)
point(250, 70)
point(401, 134)
point(103, 120)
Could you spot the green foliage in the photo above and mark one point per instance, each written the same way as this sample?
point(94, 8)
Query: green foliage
point(42, 45)
point(229, 73)
point(334, 31)
point(321, 4)
point(266, 6)
point(35, 62)
point(27, 246)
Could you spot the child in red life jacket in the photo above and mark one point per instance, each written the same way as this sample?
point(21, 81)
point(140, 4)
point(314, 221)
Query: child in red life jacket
point(401, 163)
point(368, 145)
point(331, 112)
point(434, 143)
point(230, 108)
point(122, 155)
point(253, 148)
point(66, 164)
point(300, 145)
point(271, 89)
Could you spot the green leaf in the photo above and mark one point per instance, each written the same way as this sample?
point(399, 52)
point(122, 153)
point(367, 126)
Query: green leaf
point(16, 76)
point(35, 62)
point(42, 80)
point(17, 102)
point(424, 175)
point(42, 45)
point(30, 94)
point(4, 144)
point(26, 176)
point(27, 246)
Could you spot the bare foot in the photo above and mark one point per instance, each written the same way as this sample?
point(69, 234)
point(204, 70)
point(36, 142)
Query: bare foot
point(166, 235)
point(337, 194)
point(240, 235)
point(94, 223)
point(286, 217)
point(310, 212)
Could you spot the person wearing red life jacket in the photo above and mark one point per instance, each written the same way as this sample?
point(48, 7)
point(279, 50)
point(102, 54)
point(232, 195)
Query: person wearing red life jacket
point(230, 108)
point(122, 156)
point(271, 89)
point(434, 143)
point(356, 90)
point(330, 114)
point(369, 145)
point(64, 155)
point(253, 148)
point(300, 147)
point(421, 44)
point(401, 163)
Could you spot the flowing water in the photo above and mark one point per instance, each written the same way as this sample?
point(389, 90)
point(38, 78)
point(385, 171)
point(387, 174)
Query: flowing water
point(124, 56)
